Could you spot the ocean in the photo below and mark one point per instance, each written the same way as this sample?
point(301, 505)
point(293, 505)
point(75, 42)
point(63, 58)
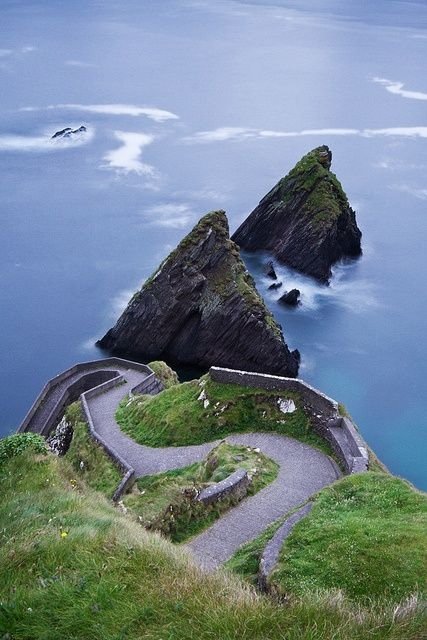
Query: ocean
point(194, 105)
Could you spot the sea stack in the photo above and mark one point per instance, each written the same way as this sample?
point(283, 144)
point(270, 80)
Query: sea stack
point(201, 307)
point(305, 220)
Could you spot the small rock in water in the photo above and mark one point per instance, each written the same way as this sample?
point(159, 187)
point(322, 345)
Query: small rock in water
point(68, 132)
point(275, 285)
point(269, 270)
point(291, 298)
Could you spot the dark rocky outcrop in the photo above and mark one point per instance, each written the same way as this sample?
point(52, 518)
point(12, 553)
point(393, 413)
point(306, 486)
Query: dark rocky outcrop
point(305, 220)
point(269, 270)
point(291, 298)
point(275, 285)
point(68, 132)
point(201, 307)
point(60, 440)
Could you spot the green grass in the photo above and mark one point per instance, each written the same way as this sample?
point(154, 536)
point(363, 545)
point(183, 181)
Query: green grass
point(98, 470)
point(165, 502)
point(72, 567)
point(366, 535)
point(178, 417)
point(17, 443)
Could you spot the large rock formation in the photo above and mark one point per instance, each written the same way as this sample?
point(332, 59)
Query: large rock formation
point(201, 307)
point(305, 220)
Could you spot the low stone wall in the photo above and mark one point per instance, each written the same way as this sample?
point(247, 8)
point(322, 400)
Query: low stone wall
point(234, 486)
point(270, 555)
point(128, 471)
point(86, 380)
point(73, 393)
point(340, 433)
point(150, 386)
point(54, 384)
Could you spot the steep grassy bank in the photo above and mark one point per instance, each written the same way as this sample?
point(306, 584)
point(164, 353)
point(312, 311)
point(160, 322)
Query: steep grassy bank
point(73, 567)
point(366, 536)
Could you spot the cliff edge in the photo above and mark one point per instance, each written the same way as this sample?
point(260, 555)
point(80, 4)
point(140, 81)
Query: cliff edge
point(201, 307)
point(305, 220)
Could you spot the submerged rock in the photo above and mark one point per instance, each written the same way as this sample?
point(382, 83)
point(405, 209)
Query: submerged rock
point(275, 285)
point(201, 307)
point(305, 220)
point(68, 132)
point(269, 270)
point(291, 298)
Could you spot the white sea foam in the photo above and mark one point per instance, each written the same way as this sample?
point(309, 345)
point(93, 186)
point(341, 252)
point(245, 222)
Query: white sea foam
point(357, 295)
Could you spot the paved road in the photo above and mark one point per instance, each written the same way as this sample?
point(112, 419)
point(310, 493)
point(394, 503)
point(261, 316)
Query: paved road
point(303, 471)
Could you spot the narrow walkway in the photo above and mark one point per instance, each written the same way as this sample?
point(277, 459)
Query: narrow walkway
point(303, 471)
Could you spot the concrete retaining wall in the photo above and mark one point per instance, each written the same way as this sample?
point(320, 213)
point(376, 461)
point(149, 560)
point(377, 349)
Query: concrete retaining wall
point(340, 433)
point(234, 486)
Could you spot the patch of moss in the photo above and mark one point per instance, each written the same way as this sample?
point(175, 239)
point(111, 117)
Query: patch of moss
point(311, 176)
point(167, 376)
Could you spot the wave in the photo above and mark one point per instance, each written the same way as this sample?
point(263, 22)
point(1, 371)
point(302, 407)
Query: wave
point(345, 291)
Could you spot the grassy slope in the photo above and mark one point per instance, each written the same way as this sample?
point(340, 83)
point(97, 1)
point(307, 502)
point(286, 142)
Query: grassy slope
point(161, 503)
point(98, 470)
point(108, 579)
point(366, 535)
point(176, 417)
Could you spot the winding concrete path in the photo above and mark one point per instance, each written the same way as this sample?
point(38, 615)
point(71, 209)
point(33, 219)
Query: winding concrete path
point(303, 471)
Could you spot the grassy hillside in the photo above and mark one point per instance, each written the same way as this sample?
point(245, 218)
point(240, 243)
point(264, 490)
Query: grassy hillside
point(74, 567)
point(366, 536)
point(203, 410)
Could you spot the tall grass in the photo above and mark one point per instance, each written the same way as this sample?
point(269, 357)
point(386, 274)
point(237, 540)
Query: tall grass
point(73, 567)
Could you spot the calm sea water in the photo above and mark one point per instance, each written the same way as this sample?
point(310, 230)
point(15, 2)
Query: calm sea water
point(198, 105)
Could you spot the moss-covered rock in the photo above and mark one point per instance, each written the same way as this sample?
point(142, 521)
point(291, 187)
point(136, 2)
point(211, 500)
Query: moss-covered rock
point(305, 220)
point(167, 376)
point(201, 307)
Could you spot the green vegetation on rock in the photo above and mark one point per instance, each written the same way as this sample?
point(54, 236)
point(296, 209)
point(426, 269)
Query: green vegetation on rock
point(366, 535)
point(167, 376)
point(73, 567)
point(203, 410)
point(88, 459)
point(165, 502)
